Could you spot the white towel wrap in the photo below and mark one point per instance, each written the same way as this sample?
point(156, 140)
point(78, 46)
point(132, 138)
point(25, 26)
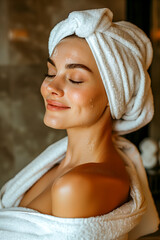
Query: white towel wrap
point(123, 54)
point(27, 224)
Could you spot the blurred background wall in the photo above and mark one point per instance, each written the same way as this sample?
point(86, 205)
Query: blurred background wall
point(24, 32)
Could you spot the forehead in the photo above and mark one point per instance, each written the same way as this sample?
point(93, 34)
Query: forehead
point(74, 40)
point(73, 46)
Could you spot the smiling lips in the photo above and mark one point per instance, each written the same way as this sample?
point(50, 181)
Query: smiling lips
point(54, 105)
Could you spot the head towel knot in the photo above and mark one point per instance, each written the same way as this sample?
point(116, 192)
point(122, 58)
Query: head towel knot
point(81, 23)
point(88, 22)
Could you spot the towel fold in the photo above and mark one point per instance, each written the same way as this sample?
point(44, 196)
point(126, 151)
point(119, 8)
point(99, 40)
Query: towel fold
point(23, 223)
point(123, 54)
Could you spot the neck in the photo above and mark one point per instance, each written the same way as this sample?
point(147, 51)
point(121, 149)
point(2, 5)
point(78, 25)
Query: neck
point(89, 144)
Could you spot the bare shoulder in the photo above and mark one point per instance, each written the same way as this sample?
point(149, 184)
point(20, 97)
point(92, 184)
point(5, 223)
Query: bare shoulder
point(90, 189)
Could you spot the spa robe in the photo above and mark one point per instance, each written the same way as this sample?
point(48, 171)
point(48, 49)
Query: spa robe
point(133, 219)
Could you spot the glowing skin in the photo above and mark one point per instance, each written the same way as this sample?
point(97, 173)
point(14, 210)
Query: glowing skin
point(85, 110)
point(87, 100)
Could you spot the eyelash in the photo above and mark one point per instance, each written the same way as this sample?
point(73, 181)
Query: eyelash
point(49, 76)
point(74, 82)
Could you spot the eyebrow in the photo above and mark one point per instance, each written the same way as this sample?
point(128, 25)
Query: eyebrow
point(72, 65)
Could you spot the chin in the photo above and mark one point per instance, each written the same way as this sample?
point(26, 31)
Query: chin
point(53, 123)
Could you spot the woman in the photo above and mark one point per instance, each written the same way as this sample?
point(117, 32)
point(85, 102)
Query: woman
point(81, 107)
point(89, 185)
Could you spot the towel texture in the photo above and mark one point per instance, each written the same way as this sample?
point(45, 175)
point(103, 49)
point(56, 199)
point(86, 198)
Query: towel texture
point(21, 223)
point(123, 54)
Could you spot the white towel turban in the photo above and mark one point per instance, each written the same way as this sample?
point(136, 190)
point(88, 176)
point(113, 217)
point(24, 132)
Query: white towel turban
point(123, 54)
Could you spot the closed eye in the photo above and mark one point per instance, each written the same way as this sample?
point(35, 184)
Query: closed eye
point(49, 76)
point(72, 81)
point(75, 82)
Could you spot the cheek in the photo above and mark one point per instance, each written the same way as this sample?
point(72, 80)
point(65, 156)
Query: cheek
point(80, 97)
point(86, 98)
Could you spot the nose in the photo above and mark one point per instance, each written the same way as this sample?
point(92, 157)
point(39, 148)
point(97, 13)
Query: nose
point(55, 87)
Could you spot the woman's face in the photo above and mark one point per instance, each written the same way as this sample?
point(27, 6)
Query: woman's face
point(73, 91)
